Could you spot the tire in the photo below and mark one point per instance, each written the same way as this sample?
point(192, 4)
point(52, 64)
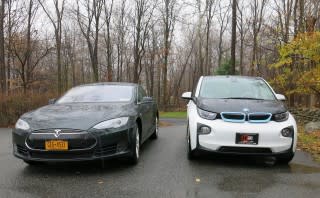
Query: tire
point(135, 150)
point(155, 134)
point(191, 154)
point(285, 159)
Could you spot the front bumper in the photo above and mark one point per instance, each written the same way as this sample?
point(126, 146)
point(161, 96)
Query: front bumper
point(223, 135)
point(83, 146)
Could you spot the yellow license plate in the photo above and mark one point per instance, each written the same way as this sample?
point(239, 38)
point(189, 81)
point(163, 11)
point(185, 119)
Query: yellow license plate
point(56, 145)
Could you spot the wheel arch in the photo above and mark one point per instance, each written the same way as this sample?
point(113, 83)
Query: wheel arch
point(139, 123)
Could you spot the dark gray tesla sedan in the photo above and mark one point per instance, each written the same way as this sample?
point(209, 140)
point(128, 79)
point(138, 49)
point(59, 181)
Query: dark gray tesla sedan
point(94, 121)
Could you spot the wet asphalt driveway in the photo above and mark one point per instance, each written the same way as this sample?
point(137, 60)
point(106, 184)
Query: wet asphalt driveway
point(163, 171)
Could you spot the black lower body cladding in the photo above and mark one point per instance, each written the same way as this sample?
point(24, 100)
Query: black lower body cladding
point(82, 145)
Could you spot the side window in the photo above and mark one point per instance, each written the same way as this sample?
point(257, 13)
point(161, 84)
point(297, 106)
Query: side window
point(141, 93)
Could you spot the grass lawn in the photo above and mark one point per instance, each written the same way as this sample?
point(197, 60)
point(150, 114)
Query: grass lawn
point(175, 114)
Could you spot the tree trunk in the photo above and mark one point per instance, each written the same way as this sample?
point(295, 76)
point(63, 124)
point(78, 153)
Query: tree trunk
point(58, 50)
point(109, 53)
point(3, 82)
point(295, 19)
point(233, 37)
point(301, 16)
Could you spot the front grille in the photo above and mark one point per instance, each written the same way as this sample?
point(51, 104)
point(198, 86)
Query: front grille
point(22, 150)
point(233, 116)
point(62, 131)
point(60, 155)
point(244, 150)
point(259, 117)
point(256, 117)
point(106, 150)
point(76, 139)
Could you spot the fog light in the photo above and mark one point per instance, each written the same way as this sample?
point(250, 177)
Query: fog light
point(204, 130)
point(287, 132)
point(122, 146)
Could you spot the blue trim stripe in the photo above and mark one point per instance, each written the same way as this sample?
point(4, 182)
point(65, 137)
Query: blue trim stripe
point(224, 115)
point(233, 120)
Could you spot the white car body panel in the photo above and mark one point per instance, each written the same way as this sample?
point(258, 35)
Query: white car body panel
point(223, 133)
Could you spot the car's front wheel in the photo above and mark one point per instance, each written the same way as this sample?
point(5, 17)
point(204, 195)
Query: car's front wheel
point(135, 150)
point(190, 153)
point(285, 159)
point(156, 130)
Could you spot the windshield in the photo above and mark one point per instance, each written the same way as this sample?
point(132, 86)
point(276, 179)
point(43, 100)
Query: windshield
point(235, 88)
point(98, 93)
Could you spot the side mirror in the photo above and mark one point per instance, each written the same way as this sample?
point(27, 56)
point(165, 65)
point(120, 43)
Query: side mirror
point(147, 99)
point(280, 97)
point(187, 96)
point(52, 101)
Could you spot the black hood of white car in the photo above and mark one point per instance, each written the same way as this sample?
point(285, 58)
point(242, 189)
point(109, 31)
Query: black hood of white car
point(241, 105)
point(76, 115)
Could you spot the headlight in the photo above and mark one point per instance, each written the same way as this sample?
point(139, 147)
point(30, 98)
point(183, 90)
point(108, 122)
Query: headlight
point(114, 123)
point(280, 117)
point(21, 124)
point(206, 114)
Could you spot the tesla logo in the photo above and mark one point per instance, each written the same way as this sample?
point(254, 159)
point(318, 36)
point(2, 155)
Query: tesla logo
point(57, 132)
point(245, 109)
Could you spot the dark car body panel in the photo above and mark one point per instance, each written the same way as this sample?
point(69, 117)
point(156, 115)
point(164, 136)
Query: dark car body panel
point(236, 105)
point(75, 122)
point(106, 145)
point(77, 115)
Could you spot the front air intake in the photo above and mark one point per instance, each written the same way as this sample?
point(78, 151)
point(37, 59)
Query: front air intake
point(259, 117)
point(233, 116)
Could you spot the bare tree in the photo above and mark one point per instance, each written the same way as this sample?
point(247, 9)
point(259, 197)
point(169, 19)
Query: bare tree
point(199, 68)
point(209, 9)
point(242, 29)
point(168, 18)
point(27, 50)
point(153, 57)
point(301, 26)
point(223, 20)
point(141, 21)
point(57, 26)
point(284, 12)
point(3, 79)
point(108, 13)
point(89, 24)
point(12, 21)
point(69, 50)
point(233, 37)
point(257, 7)
point(120, 37)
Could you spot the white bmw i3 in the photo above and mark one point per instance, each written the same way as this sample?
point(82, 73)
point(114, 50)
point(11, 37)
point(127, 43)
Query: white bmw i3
point(241, 116)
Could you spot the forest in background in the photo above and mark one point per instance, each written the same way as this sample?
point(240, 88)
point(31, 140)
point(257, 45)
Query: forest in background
point(49, 46)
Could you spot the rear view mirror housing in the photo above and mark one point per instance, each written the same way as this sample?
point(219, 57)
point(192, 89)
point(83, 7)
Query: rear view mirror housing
point(280, 97)
point(187, 95)
point(147, 99)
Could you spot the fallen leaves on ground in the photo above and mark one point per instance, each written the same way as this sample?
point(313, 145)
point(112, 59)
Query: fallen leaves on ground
point(310, 142)
point(164, 124)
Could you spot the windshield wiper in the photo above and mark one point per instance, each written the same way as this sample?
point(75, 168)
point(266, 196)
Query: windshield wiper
point(243, 98)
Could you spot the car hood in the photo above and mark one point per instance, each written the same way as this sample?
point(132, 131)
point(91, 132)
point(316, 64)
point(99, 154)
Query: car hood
point(241, 105)
point(76, 116)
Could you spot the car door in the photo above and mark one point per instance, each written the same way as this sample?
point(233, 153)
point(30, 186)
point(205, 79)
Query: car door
point(146, 113)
